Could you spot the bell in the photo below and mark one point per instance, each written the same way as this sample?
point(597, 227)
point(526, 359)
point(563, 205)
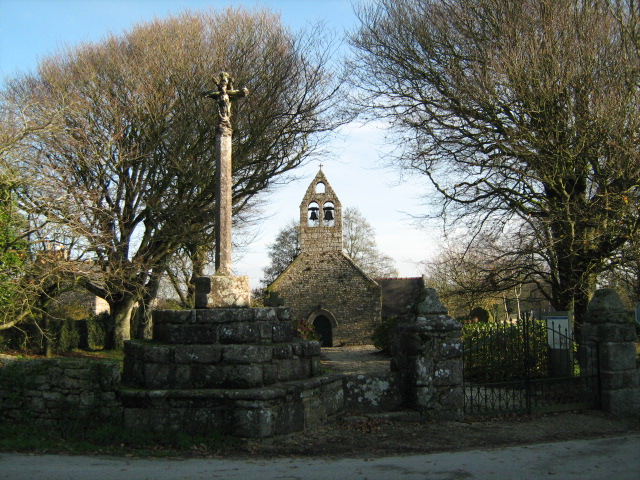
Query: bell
point(328, 213)
point(314, 214)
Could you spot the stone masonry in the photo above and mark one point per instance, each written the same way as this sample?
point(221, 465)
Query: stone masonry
point(56, 392)
point(606, 324)
point(427, 350)
point(322, 280)
point(237, 370)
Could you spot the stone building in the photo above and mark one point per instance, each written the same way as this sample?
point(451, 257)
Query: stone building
point(323, 286)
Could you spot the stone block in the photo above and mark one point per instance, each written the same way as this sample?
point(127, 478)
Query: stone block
point(155, 353)
point(293, 369)
point(616, 332)
point(333, 396)
point(197, 353)
point(157, 375)
point(180, 377)
point(308, 348)
point(162, 317)
point(282, 332)
point(269, 374)
point(412, 342)
point(208, 376)
point(619, 380)
point(421, 371)
point(243, 376)
point(372, 392)
point(222, 291)
point(266, 314)
point(247, 354)
point(451, 349)
point(282, 351)
point(623, 402)
point(254, 422)
point(266, 331)
point(132, 349)
point(316, 366)
point(605, 307)
point(284, 314)
point(431, 304)
point(425, 397)
point(448, 373)
point(315, 412)
point(185, 334)
point(132, 372)
point(240, 332)
point(290, 418)
point(616, 356)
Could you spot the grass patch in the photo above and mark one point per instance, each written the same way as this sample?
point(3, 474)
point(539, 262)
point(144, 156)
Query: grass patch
point(111, 440)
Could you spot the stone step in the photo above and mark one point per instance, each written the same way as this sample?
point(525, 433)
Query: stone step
point(152, 365)
point(258, 413)
point(223, 325)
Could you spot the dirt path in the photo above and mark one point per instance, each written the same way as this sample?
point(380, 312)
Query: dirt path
point(354, 359)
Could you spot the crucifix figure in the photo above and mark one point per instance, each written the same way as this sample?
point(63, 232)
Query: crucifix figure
point(223, 96)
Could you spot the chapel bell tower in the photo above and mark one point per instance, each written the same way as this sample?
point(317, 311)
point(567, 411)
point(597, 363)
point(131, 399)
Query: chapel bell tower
point(320, 218)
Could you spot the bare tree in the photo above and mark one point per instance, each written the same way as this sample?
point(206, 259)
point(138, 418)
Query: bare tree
point(283, 251)
point(485, 273)
point(359, 240)
point(522, 114)
point(129, 168)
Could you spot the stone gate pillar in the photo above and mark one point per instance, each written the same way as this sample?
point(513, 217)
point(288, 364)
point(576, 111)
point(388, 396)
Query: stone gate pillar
point(606, 324)
point(427, 350)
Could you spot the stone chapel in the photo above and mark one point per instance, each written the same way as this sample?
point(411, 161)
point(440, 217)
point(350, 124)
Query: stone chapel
point(323, 286)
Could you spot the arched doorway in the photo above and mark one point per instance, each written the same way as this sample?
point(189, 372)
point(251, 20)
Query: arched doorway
point(322, 326)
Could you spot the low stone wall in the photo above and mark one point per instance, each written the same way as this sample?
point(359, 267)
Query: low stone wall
point(53, 392)
point(373, 393)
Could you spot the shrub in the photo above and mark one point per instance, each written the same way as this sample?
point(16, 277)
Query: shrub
point(304, 330)
point(481, 314)
point(496, 352)
point(381, 337)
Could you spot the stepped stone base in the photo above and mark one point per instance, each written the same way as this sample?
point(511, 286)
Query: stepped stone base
point(251, 413)
point(238, 370)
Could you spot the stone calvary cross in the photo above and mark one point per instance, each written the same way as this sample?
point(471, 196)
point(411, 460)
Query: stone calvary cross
point(223, 290)
point(224, 185)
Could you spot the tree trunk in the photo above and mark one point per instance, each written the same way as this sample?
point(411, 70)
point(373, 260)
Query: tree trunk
point(198, 261)
point(48, 335)
point(144, 324)
point(120, 322)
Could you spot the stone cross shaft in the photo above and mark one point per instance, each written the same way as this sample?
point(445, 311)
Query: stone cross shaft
point(224, 183)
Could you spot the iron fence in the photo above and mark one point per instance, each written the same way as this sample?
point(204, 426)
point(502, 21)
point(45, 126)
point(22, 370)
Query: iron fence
point(527, 367)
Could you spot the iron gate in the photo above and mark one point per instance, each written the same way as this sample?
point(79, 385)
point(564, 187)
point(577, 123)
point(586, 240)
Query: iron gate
point(527, 367)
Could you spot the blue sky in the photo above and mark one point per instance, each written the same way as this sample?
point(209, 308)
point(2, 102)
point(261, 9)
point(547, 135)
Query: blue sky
point(33, 29)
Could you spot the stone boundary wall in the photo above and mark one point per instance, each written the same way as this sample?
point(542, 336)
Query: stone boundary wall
point(53, 392)
point(426, 349)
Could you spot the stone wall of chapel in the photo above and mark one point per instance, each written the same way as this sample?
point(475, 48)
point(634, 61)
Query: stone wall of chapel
point(330, 281)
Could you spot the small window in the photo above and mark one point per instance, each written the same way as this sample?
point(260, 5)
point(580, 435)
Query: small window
point(320, 187)
point(313, 215)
